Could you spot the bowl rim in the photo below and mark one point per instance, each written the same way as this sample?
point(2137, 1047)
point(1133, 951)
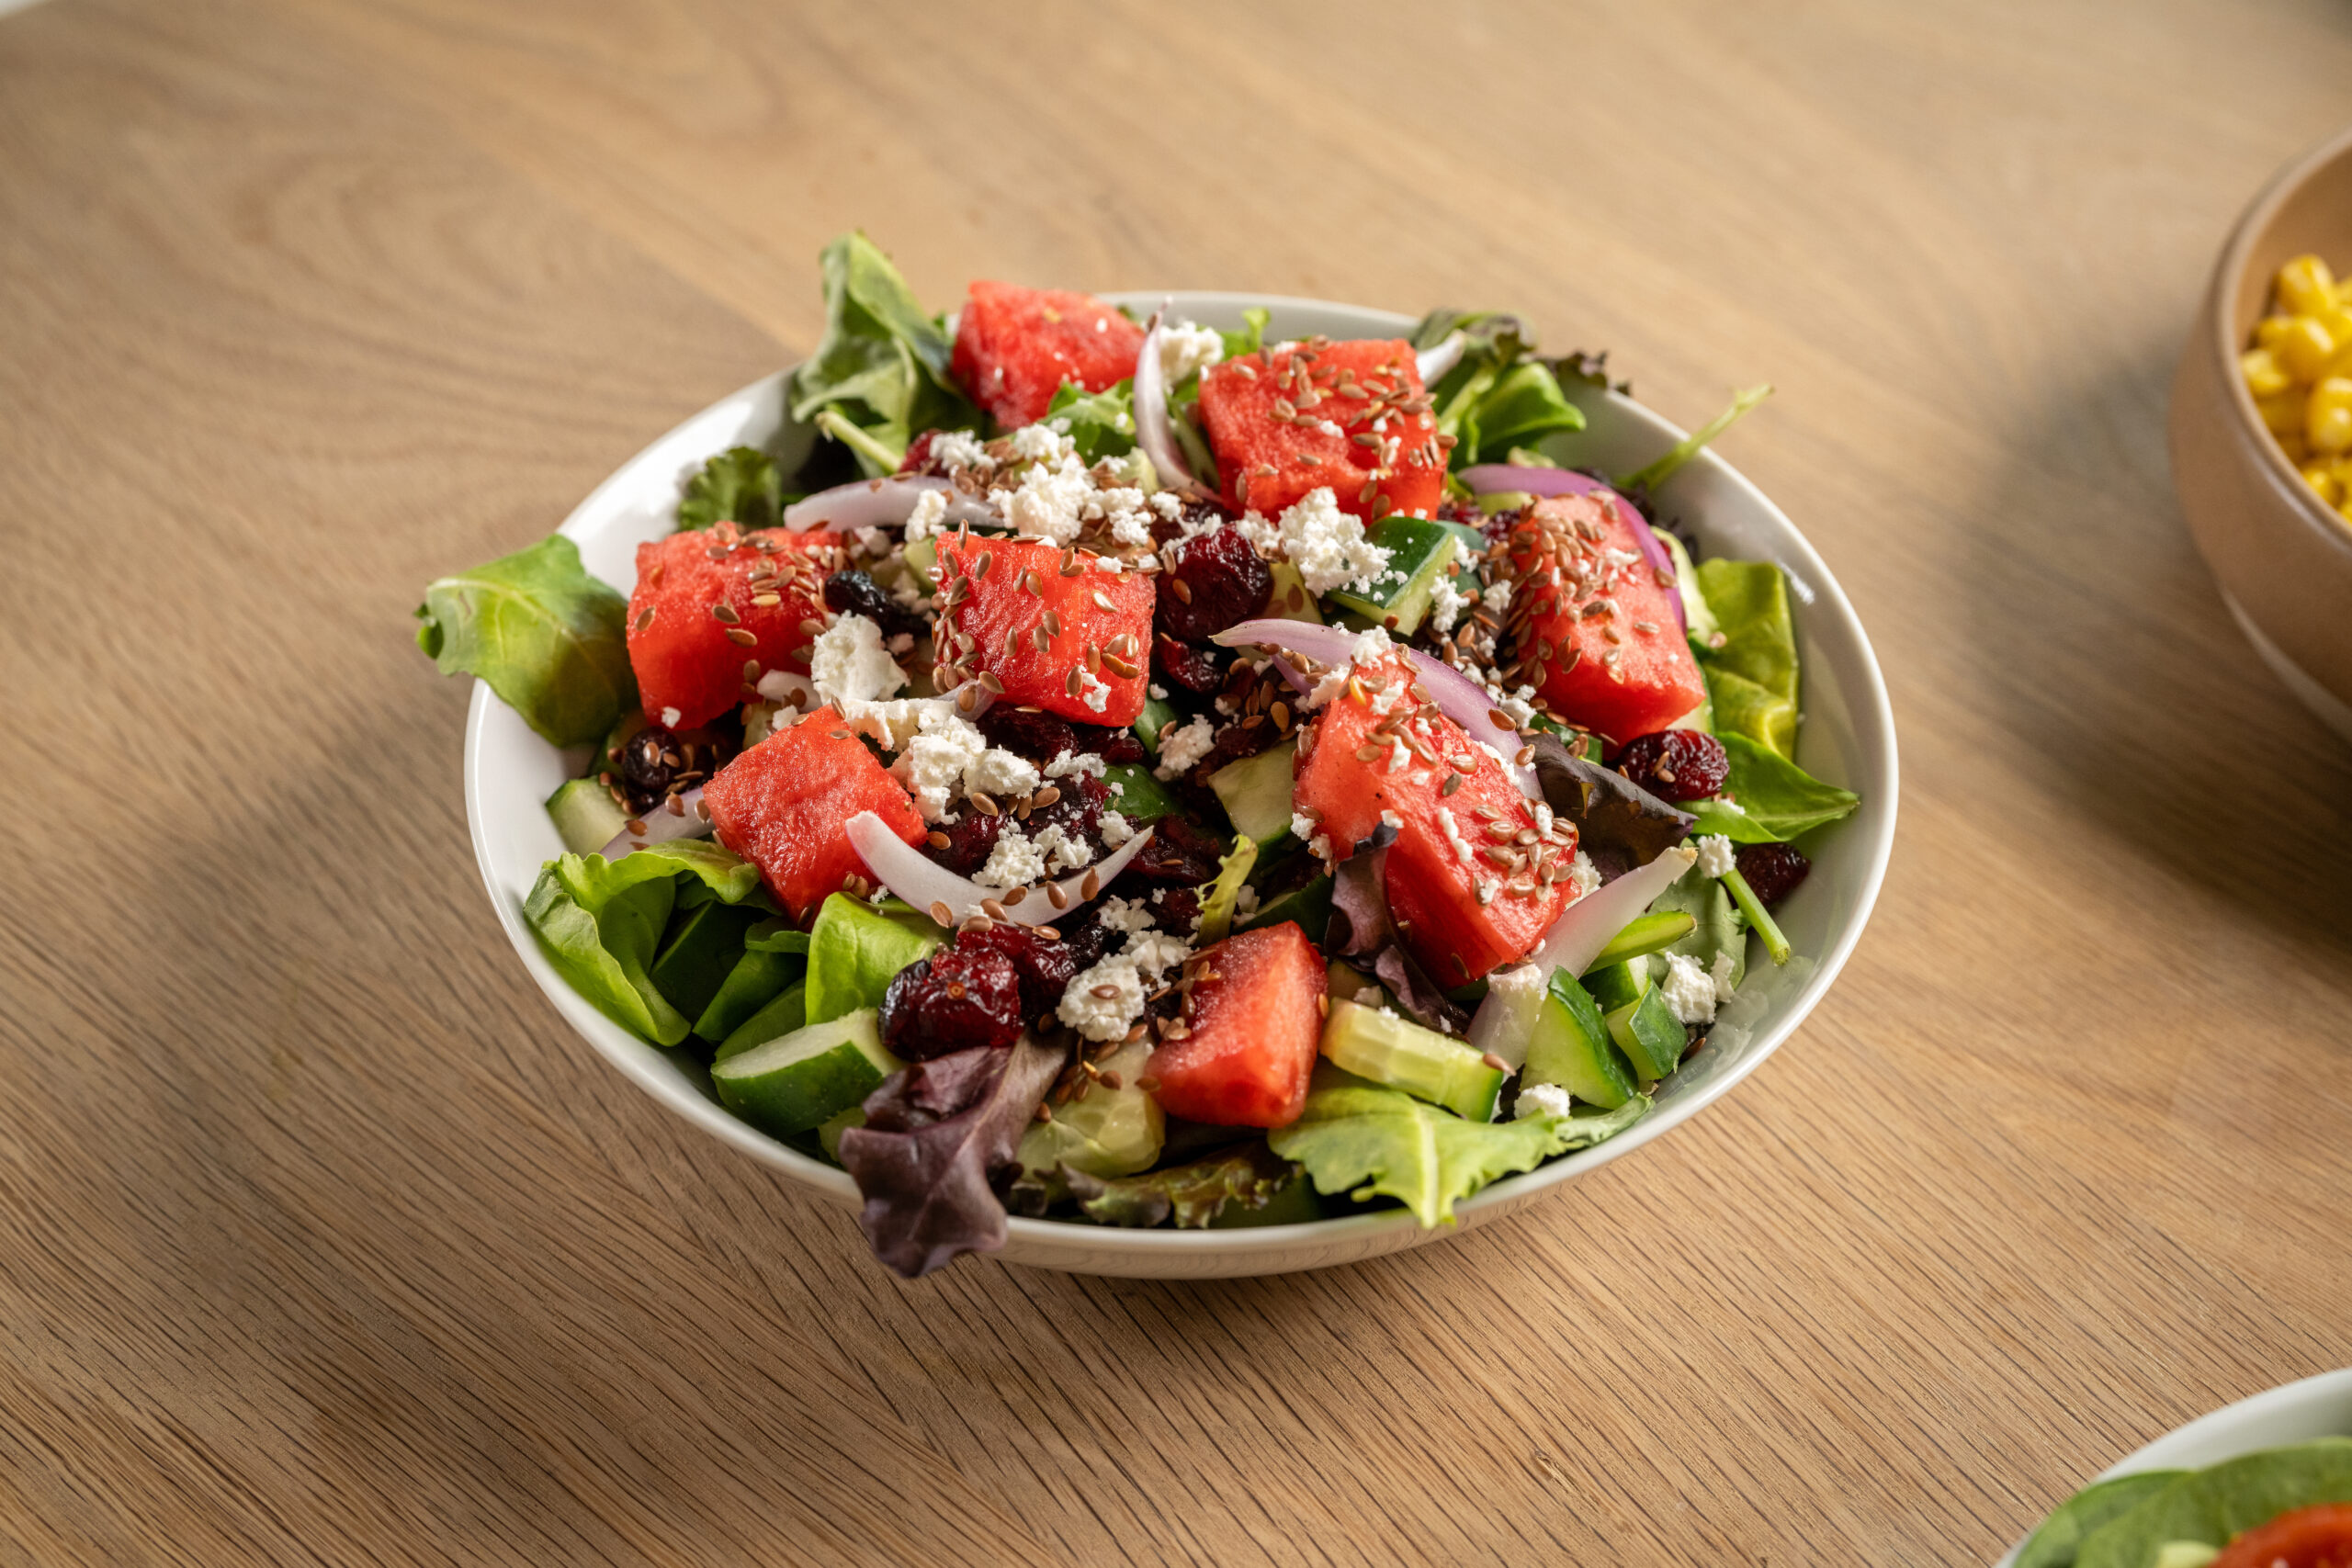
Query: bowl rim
point(2222, 341)
point(1872, 721)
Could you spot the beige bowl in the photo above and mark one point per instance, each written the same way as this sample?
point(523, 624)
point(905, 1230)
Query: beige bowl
point(2283, 559)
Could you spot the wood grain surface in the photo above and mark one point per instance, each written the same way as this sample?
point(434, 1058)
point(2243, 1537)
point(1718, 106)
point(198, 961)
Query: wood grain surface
point(324, 1241)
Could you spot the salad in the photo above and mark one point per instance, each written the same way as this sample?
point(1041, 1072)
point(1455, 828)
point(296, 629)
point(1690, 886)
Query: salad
point(1135, 773)
point(2289, 1507)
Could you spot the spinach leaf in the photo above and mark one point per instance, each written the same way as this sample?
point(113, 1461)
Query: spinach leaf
point(879, 374)
point(1101, 424)
point(1619, 824)
point(1644, 480)
point(1188, 1195)
point(855, 949)
point(1523, 405)
point(1721, 928)
point(548, 637)
point(2060, 1535)
point(937, 1135)
point(740, 485)
point(2210, 1505)
point(600, 921)
point(1137, 795)
point(1369, 1141)
point(1776, 794)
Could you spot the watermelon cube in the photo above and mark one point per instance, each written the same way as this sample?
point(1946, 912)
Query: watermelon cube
point(1349, 416)
point(707, 605)
point(1615, 658)
point(1077, 644)
point(1015, 347)
point(1255, 1023)
point(782, 804)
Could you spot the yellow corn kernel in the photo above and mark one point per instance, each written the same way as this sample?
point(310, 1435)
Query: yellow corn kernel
point(2265, 376)
point(2305, 285)
point(2321, 476)
point(2327, 416)
point(2270, 328)
point(2342, 468)
point(2304, 348)
point(2282, 412)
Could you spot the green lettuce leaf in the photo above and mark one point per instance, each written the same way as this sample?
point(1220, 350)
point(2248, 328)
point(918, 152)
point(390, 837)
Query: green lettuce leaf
point(938, 1134)
point(1252, 335)
point(1749, 601)
point(1101, 424)
point(1188, 1195)
point(1720, 927)
point(1369, 1141)
point(600, 922)
point(2060, 1535)
point(1644, 480)
point(1224, 895)
point(1137, 795)
point(2210, 1505)
point(879, 374)
point(1776, 794)
point(1725, 819)
point(549, 638)
point(740, 485)
point(1737, 705)
point(855, 949)
point(1523, 405)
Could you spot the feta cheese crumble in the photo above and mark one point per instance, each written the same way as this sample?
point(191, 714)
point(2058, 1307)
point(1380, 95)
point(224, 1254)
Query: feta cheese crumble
point(1186, 348)
point(1325, 543)
point(959, 450)
point(1071, 763)
point(670, 717)
point(1715, 856)
point(1093, 691)
point(1688, 990)
point(1446, 603)
point(1001, 774)
point(1541, 1100)
point(1584, 877)
point(1100, 1002)
point(1180, 749)
point(848, 663)
point(930, 512)
point(1116, 830)
point(932, 764)
point(1016, 862)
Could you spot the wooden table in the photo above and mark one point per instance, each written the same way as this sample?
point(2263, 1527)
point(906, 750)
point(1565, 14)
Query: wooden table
point(324, 1240)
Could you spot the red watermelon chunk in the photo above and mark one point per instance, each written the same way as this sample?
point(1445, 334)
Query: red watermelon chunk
point(782, 804)
point(708, 604)
point(1077, 645)
point(1255, 1023)
point(1015, 347)
point(1286, 421)
point(1347, 795)
point(1614, 656)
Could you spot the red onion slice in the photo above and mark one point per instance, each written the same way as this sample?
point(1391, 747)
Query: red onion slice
point(1436, 362)
point(886, 503)
point(1460, 698)
point(933, 888)
point(1486, 479)
point(661, 825)
point(1572, 943)
point(1153, 432)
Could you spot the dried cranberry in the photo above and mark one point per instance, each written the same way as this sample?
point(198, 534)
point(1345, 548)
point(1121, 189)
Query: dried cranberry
point(1178, 907)
point(971, 838)
point(1114, 746)
point(1676, 765)
point(1195, 515)
point(1199, 670)
point(1216, 580)
point(1077, 810)
point(1045, 967)
point(957, 998)
point(1179, 855)
point(855, 593)
point(655, 759)
point(1773, 871)
point(1245, 738)
point(1040, 737)
point(918, 457)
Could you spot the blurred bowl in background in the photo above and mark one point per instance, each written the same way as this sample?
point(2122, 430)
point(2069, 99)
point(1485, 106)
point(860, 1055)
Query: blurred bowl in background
point(2281, 556)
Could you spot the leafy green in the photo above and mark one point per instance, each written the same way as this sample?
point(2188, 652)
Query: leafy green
point(1497, 395)
point(1778, 795)
point(1218, 903)
point(1101, 424)
point(2210, 1505)
point(757, 979)
point(1189, 1195)
point(600, 922)
point(1369, 1141)
point(938, 1134)
point(1139, 798)
point(880, 371)
point(740, 485)
point(1726, 819)
point(1750, 661)
point(1737, 705)
point(1647, 479)
point(855, 949)
point(1619, 824)
point(1104, 1132)
point(549, 638)
point(1252, 337)
point(2060, 1535)
point(1697, 616)
point(783, 1013)
point(1525, 404)
point(1720, 927)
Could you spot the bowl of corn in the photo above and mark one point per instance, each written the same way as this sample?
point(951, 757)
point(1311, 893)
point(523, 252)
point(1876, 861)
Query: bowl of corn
point(2261, 429)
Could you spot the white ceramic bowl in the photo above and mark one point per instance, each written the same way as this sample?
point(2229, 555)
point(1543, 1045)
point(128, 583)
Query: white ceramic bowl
point(1848, 737)
point(2294, 1413)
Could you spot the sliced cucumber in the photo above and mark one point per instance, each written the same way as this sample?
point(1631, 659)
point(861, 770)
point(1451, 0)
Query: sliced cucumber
point(783, 1014)
point(807, 1077)
point(1310, 905)
point(1157, 714)
point(1571, 1047)
point(1111, 1132)
point(1419, 551)
point(1645, 935)
point(1256, 793)
point(1291, 600)
point(586, 816)
point(1402, 1054)
point(757, 979)
point(923, 559)
point(1618, 984)
point(1650, 1035)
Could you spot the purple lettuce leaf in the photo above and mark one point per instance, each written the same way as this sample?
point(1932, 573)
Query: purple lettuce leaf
point(1363, 935)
